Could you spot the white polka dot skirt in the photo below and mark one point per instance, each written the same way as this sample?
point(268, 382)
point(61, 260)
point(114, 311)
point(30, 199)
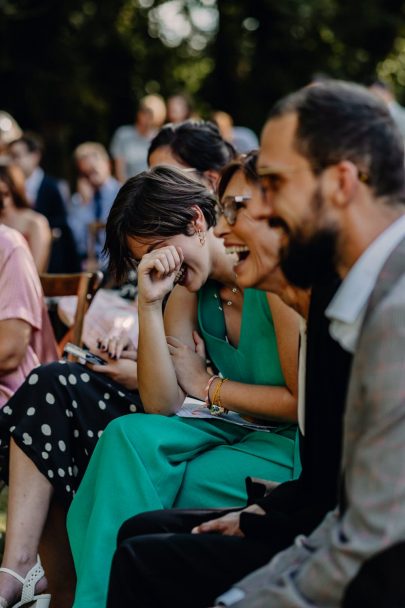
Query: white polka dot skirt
point(57, 416)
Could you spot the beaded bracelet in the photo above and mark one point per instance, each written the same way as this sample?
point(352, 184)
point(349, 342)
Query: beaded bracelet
point(207, 390)
point(217, 408)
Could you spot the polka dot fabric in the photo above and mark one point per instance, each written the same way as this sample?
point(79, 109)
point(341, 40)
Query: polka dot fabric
point(57, 417)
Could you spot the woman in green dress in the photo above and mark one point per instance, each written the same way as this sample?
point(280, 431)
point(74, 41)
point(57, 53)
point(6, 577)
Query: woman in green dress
point(163, 219)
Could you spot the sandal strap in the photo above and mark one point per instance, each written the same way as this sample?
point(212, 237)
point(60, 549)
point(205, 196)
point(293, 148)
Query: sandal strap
point(14, 574)
point(33, 576)
point(29, 582)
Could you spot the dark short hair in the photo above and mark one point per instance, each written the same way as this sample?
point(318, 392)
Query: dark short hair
point(343, 121)
point(196, 143)
point(245, 163)
point(14, 179)
point(33, 142)
point(156, 203)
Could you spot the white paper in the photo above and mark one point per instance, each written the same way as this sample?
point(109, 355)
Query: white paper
point(194, 408)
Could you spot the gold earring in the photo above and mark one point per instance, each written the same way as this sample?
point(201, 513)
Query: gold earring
point(201, 236)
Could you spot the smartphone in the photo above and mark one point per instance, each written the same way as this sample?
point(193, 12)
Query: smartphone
point(84, 355)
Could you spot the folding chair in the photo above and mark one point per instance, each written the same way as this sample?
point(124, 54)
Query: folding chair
point(83, 285)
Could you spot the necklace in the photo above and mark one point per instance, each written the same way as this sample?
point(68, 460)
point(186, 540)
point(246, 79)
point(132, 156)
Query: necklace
point(234, 290)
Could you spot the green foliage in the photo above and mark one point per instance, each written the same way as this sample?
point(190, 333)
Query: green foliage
point(74, 70)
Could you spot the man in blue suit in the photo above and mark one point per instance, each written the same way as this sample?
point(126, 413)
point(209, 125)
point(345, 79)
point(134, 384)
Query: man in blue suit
point(44, 194)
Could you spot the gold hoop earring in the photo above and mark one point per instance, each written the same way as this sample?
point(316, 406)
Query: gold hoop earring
point(201, 236)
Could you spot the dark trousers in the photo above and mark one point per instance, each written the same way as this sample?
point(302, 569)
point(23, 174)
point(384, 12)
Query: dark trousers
point(158, 563)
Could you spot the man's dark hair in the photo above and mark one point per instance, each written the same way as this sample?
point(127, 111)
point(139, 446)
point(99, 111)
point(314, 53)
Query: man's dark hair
point(245, 163)
point(156, 203)
point(195, 143)
point(343, 121)
point(33, 142)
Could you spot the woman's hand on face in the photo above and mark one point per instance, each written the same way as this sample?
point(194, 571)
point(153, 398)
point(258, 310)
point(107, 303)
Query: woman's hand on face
point(157, 273)
point(124, 371)
point(190, 365)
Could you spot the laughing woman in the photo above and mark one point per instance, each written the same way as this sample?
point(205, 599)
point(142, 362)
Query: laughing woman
point(163, 221)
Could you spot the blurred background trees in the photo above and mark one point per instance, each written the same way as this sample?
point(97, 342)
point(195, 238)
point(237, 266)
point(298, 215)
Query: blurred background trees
point(74, 69)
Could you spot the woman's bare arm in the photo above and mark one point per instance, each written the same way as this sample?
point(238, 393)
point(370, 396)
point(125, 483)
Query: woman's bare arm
point(157, 379)
point(278, 403)
point(15, 336)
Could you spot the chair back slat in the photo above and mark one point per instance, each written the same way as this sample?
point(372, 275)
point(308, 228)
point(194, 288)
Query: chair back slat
point(82, 284)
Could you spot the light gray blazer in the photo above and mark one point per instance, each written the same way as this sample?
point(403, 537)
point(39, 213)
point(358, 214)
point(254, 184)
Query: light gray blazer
point(317, 569)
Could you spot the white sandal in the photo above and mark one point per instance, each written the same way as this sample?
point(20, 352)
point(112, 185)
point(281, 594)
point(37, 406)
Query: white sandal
point(28, 597)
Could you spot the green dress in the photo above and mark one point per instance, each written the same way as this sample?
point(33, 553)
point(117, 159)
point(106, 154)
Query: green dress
point(144, 462)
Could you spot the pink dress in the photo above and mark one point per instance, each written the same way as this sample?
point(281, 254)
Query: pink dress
point(21, 297)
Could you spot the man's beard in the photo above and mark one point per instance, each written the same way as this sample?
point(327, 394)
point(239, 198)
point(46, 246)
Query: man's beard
point(306, 261)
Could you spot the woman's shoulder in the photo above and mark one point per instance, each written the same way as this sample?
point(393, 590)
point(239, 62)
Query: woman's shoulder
point(34, 218)
point(13, 246)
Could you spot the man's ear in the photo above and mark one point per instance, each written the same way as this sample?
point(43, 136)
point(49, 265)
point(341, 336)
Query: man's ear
point(342, 181)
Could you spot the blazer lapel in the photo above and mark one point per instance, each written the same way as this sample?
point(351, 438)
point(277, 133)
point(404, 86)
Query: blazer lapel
point(393, 268)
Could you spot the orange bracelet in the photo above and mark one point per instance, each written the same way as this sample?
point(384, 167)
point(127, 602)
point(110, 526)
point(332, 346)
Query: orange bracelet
point(217, 408)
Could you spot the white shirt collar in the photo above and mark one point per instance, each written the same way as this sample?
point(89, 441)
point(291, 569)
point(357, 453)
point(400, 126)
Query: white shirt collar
point(33, 183)
point(347, 309)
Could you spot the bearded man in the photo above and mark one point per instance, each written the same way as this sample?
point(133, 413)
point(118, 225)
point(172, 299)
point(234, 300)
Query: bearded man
point(332, 170)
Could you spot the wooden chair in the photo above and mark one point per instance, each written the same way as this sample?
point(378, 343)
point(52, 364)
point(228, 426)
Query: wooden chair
point(82, 284)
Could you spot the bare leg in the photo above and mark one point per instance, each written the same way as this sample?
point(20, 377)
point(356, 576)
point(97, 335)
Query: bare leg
point(29, 497)
point(57, 558)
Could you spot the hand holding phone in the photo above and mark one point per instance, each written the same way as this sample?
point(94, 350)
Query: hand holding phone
point(83, 355)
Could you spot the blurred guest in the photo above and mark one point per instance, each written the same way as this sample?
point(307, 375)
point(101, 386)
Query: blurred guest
point(194, 145)
point(178, 108)
point(242, 138)
point(130, 143)
point(17, 213)
point(96, 191)
point(9, 131)
point(26, 337)
point(44, 195)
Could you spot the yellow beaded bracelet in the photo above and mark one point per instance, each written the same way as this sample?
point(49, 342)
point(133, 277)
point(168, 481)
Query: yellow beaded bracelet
point(217, 408)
